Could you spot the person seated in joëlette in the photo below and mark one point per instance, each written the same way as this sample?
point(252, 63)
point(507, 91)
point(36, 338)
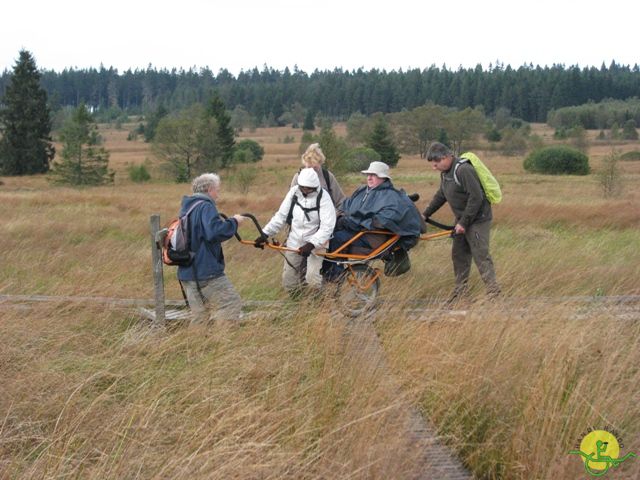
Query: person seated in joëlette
point(378, 205)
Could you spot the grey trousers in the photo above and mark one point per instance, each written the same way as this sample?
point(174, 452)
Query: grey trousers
point(222, 302)
point(474, 245)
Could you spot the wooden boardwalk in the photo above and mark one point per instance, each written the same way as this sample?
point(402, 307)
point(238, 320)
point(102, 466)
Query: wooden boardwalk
point(435, 460)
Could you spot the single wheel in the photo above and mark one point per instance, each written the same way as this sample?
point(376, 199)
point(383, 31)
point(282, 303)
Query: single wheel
point(357, 289)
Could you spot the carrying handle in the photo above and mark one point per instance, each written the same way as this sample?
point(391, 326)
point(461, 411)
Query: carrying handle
point(274, 245)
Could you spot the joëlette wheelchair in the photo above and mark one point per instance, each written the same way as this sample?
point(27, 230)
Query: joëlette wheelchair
point(357, 287)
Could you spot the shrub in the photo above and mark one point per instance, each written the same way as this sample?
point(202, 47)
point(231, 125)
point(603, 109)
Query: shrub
point(359, 158)
point(610, 176)
point(243, 156)
point(615, 134)
point(139, 173)
point(514, 142)
point(560, 133)
point(244, 178)
point(557, 160)
point(632, 155)
point(289, 138)
point(493, 135)
point(629, 131)
point(254, 148)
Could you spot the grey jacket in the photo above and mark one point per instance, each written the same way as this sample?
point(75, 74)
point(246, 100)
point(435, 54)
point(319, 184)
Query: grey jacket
point(467, 200)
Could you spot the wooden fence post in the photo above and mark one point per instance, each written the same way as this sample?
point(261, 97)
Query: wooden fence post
point(158, 279)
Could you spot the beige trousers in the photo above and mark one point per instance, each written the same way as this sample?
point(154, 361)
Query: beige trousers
point(291, 272)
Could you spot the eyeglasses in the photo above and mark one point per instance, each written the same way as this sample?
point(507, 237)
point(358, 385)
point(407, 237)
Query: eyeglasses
point(306, 189)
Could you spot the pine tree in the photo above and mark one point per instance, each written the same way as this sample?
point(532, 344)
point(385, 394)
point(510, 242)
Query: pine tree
point(25, 146)
point(83, 161)
point(226, 134)
point(308, 121)
point(152, 122)
point(381, 140)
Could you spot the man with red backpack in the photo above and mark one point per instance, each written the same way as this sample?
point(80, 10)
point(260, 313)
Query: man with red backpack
point(208, 291)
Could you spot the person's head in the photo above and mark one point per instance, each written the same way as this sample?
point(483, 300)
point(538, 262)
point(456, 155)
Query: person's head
point(308, 181)
point(208, 183)
point(376, 174)
point(313, 156)
point(440, 156)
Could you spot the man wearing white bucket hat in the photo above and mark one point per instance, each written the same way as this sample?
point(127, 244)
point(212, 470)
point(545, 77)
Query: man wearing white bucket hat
point(378, 205)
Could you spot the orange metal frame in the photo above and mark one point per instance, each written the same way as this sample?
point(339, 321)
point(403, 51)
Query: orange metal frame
point(353, 279)
point(393, 237)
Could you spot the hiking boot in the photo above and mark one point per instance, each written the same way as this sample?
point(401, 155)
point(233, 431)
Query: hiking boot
point(459, 293)
point(493, 294)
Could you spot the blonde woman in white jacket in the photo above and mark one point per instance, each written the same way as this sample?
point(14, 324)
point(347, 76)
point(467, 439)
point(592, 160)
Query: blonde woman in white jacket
point(312, 216)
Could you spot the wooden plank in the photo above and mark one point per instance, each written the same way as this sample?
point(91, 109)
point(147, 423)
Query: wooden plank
point(169, 315)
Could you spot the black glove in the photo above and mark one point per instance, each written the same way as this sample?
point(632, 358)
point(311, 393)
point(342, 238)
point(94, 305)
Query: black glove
point(305, 250)
point(260, 241)
point(345, 223)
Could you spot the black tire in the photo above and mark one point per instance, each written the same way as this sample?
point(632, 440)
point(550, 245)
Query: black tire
point(352, 299)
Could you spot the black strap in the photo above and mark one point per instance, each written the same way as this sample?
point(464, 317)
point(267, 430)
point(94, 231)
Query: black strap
point(294, 202)
point(184, 294)
point(439, 225)
point(327, 179)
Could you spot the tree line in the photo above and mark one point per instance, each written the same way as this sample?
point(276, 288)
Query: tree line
point(271, 96)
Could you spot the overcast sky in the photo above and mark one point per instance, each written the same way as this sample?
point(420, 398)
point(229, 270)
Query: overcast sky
point(323, 34)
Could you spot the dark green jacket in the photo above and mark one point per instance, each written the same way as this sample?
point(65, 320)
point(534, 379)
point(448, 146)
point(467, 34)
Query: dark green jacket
point(467, 200)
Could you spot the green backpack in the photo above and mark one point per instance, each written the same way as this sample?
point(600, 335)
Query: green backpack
point(489, 183)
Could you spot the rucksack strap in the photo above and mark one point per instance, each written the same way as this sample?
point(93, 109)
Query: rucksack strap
point(194, 205)
point(327, 179)
point(455, 170)
point(294, 202)
point(186, 216)
point(455, 174)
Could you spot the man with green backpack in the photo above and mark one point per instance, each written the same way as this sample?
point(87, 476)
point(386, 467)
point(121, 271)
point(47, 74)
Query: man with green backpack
point(470, 189)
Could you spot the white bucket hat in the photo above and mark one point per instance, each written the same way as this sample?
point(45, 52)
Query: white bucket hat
point(380, 169)
point(308, 178)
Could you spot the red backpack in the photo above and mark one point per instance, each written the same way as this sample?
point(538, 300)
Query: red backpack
point(176, 248)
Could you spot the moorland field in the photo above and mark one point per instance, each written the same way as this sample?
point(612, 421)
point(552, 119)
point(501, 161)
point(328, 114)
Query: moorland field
point(88, 390)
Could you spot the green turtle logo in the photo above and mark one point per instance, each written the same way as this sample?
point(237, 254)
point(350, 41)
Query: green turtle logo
point(600, 451)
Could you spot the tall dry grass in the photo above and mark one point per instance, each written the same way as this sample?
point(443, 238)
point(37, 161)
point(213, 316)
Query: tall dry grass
point(514, 385)
point(93, 393)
